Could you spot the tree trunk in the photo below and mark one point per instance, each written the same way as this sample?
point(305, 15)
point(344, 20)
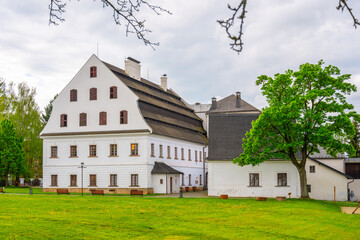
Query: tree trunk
point(303, 182)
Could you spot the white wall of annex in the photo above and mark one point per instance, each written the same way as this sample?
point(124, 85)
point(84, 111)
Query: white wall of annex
point(126, 100)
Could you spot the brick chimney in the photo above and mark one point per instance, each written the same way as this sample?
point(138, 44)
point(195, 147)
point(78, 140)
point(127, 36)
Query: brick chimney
point(238, 99)
point(133, 68)
point(213, 103)
point(164, 82)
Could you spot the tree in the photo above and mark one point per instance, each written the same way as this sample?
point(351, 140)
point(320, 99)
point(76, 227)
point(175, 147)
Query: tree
point(126, 12)
point(48, 109)
point(24, 113)
point(307, 110)
point(11, 152)
point(355, 140)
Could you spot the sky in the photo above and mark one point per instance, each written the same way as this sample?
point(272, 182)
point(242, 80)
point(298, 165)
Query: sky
point(194, 51)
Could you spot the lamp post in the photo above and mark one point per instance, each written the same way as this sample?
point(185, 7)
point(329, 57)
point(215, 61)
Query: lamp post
point(82, 178)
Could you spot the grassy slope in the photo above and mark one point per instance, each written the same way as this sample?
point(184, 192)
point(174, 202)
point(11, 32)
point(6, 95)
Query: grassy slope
point(96, 217)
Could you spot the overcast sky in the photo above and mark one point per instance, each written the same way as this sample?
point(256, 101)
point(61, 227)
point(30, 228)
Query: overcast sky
point(193, 51)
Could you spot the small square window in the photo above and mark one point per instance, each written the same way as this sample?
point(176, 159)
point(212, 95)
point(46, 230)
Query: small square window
point(312, 169)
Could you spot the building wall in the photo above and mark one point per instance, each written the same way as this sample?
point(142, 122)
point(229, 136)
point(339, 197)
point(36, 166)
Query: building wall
point(355, 187)
point(228, 178)
point(336, 163)
point(164, 187)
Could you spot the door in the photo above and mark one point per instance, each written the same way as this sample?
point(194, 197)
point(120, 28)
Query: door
point(171, 180)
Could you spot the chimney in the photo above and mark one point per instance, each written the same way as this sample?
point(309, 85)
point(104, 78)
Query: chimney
point(133, 68)
point(213, 103)
point(238, 99)
point(164, 82)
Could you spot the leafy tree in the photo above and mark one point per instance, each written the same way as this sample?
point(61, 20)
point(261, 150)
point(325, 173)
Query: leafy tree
point(127, 13)
point(307, 110)
point(355, 140)
point(11, 152)
point(24, 113)
point(48, 109)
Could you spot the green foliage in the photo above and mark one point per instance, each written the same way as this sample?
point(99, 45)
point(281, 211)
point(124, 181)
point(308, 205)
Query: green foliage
point(11, 152)
point(307, 110)
point(48, 109)
point(355, 140)
point(98, 217)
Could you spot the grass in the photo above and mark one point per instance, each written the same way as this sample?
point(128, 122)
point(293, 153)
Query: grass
point(99, 217)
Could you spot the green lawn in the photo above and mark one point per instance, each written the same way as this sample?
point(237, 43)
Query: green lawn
point(104, 217)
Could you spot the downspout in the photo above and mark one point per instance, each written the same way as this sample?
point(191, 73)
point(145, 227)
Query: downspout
point(348, 190)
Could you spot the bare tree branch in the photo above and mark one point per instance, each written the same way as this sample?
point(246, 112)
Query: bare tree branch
point(238, 12)
point(342, 5)
point(125, 12)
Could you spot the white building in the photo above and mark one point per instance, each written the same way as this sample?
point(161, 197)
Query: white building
point(229, 120)
point(130, 133)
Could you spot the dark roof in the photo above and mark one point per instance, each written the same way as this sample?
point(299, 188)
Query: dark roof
point(162, 168)
point(333, 169)
point(228, 104)
point(164, 111)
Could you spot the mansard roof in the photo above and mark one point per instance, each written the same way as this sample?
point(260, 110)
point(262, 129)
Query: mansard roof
point(164, 111)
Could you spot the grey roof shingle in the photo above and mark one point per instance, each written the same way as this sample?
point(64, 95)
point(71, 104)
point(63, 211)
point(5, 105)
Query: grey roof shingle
point(163, 168)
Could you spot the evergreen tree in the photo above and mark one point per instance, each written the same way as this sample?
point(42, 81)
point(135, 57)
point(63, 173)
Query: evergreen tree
point(355, 140)
point(48, 109)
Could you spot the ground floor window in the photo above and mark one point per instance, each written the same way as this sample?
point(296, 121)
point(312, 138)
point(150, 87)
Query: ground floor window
point(282, 179)
point(53, 180)
point(134, 180)
point(73, 180)
point(189, 179)
point(182, 180)
point(200, 179)
point(308, 188)
point(92, 180)
point(254, 179)
point(113, 180)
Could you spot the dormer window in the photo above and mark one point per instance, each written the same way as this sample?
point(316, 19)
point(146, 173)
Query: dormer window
point(73, 95)
point(93, 72)
point(63, 120)
point(123, 117)
point(113, 92)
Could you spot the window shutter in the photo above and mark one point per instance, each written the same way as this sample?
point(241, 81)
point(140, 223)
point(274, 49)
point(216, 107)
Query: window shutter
point(102, 118)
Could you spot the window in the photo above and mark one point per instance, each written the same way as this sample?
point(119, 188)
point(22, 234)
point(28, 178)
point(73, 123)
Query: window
point(113, 92)
point(53, 180)
point(161, 181)
point(123, 117)
point(282, 179)
point(312, 169)
point(161, 151)
point(189, 179)
point(168, 152)
point(134, 180)
point(189, 154)
point(92, 180)
point(54, 152)
point(113, 180)
point(134, 149)
point(73, 151)
point(93, 94)
point(152, 150)
point(82, 119)
point(196, 156)
point(92, 151)
point(113, 149)
point(93, 72)
point(175, 151)
point(200, 179)
point(73, 95)
point(254, 179)
point(182, 154)
point(200, 155)
point(182, 180)
point(63, 120)
point(102, 118)
point(73, 180)
point(353, 169)
point(308, 188)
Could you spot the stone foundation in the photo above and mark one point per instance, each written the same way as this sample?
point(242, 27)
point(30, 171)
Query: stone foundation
point(106, 190)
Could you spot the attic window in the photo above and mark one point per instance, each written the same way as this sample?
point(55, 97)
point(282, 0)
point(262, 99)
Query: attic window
point(73, 95)
point(93, 72)
point(113, 92)
point(123, 117)
point(93, 94)
point(63, 120)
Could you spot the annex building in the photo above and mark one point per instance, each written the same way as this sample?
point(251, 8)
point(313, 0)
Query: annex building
point(128, 132)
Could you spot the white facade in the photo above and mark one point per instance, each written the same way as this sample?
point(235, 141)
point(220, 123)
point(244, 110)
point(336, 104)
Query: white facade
point(123, 164)
point(233, 180)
